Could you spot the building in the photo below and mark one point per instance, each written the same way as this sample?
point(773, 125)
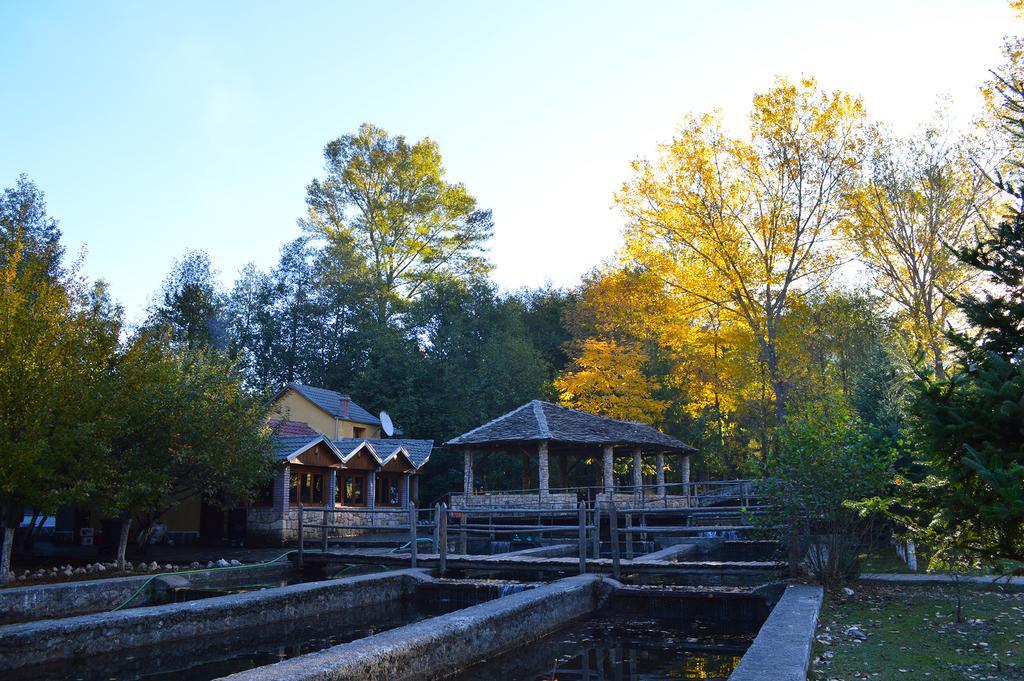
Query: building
point(330, 452)
point(551, 431)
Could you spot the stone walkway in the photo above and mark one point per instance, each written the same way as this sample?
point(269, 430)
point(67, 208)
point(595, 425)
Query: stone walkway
point(916, 579)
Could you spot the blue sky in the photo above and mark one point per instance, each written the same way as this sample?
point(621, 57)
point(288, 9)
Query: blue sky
point(156, 127)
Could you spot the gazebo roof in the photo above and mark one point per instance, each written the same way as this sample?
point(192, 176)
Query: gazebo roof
point(536, 421)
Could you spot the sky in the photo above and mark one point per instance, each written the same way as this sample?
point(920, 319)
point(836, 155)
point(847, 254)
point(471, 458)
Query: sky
point(159, 127)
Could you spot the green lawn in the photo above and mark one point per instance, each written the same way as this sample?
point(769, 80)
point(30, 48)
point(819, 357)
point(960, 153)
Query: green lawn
point(912, 635)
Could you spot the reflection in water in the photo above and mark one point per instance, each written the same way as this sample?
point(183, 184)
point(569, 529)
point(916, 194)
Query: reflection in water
point(610, 648)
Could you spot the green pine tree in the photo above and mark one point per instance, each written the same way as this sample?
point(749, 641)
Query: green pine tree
point(972, 422)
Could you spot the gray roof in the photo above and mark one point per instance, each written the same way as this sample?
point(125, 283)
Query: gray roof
point(419, 450)
point(334, 403)
point(537, 420)
point(286, 445)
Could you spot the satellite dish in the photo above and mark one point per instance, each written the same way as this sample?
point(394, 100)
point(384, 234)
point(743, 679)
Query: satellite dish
point(386, 424)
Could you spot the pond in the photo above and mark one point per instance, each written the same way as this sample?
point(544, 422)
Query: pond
point(205, 658)
point(618, 648)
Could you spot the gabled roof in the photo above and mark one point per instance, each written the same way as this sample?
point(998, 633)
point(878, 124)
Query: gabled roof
point(537, 420)
point(287, 447)
point(286, 428)
point(334, 403)
point(349, 448)
point(417, 450)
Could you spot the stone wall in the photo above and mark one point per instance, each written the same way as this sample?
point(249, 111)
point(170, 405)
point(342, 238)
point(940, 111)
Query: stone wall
point(272, 527)
point(509, 500)
point(437, 647)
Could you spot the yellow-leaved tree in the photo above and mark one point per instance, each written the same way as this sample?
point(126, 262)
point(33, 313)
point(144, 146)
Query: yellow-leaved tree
point(917, 204)
point(607, 378)
point(737, 227)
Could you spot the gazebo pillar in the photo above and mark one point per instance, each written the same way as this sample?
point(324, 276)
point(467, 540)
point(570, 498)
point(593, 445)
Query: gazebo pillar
point(684, 470)
point(659, 462)
point(467, 472)
point(609, 476)
point(543, 472)
point(638, 470)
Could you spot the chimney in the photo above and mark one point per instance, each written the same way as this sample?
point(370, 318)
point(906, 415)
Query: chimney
point(345, 402)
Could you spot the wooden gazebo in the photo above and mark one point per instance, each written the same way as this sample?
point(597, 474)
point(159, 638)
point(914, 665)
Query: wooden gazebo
point(553, 430)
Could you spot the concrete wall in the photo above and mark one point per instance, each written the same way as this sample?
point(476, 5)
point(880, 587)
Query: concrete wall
point(114, 632)
point(46, 601)
point(438, 647)
point(782, 649)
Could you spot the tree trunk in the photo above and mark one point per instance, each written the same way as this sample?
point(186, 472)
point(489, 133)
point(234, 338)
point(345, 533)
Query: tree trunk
point(122, 543)
point(5, 556)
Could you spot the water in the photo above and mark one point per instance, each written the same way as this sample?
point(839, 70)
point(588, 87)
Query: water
point(215, 656)
point(617, 648)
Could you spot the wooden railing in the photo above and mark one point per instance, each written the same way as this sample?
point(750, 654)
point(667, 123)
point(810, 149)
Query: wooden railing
point(581, 524)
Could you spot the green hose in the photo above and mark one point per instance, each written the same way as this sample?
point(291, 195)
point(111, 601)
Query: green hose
point(189, 572)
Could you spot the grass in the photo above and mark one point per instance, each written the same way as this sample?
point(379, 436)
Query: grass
point(912, 635)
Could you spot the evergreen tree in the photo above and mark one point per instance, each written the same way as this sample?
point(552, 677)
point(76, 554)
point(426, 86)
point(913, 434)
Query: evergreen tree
point(972, 424)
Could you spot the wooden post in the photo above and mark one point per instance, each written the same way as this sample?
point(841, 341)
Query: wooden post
point(323, 531)
point(638, 471)
point(413, 539)
point(583, 537)
point(597, 530)
point(463, 548)
point(299, 561)
point(467, 474)
point(609, 471)
point(613, 526)
point(659, 463)
point(629, 536)
point(437, 527)
point(443, 540)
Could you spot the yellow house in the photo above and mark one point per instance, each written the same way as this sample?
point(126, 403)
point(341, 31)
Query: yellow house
point(332, 414)
point(331, 454)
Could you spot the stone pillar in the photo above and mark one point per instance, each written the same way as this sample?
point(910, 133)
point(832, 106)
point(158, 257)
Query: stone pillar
point(684, 472)
point(403, 495)
point(659, 462)
point(371, 489)
point(543, 471)
point(282, 484)
point(331, 493)
point(467, 472)
point(638, 471)
point(609, 477)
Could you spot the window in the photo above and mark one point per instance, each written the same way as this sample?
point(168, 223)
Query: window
point(352, 490)
point(389, 489)
point(358, 433)
point(307, 487)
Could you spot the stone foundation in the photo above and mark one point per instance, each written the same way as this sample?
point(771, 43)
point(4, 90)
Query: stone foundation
point(272, 527)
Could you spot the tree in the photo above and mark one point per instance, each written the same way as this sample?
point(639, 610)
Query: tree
point(54, 347)
point(391, 201)
point(741, 226)
point(190, 305)
point(608, 379)
point(179, 424)
point(970, 432)
point(824, 460)
point(23, 219)
point(918, 203)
